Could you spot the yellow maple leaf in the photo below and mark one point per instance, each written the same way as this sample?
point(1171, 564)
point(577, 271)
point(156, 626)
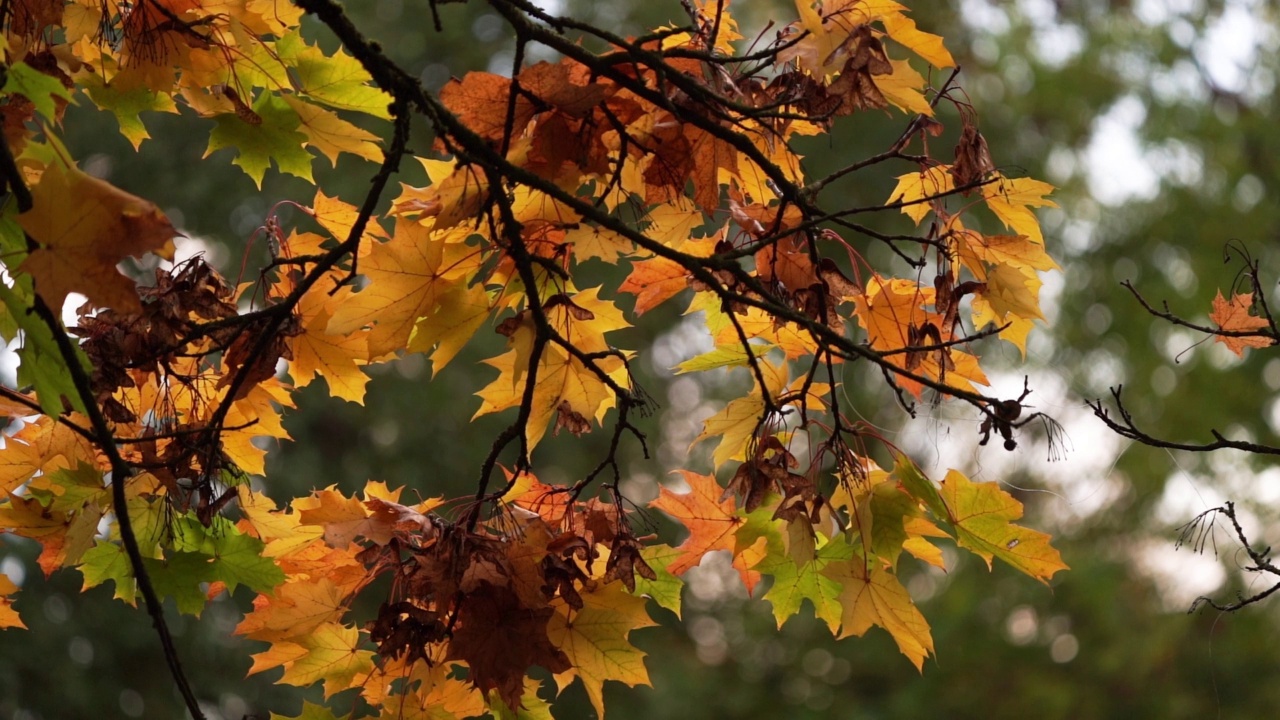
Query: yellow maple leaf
point(915, 190)
point(1017, 250)
point(84, 227)
point(443, 332)
point(8, 616)
point(736, 424)
point(336, 358)
point(1012, 199)
point(294, 609)
point(1013, 290)
point(338, 217)
point(255, 415)
point(903, 88)
point(560, 379)
point(733, 427)
point(595, 639)
point(407, 277)
point(927, 45)
point(283, 532)
point(873, 596)
point(592, 241)
point(332, 135)
point(330, 653)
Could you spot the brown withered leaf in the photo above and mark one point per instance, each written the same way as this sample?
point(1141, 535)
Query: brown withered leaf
point(751, 484)
point(787, 262)
point(599, 521)
point(973, 159)
point(403, 628)
point(838, 284)
point(857, 91)
point(868, 53)
point(571, 420)
point(29, 18)
point(402, 522)
point(500, 639)
point(805, 94)
point(801, 500)
point(625, 562)
point(576, 311)
point(263, 366)
point(563, 576)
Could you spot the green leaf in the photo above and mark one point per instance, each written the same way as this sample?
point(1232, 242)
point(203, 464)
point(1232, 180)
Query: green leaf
point(981, 515)
point(533, 707)
point(918, 486)
point(128, 106)
point(889, 507)
point(108, 561)
point(277, 138)
point(40, 362)
point(237, 557)
point(725, 356)
point(794, 583)
point(37, 87)
point(149, 518)
point(240, 562)
point(665, 589)
point(180, 576)
point(75, 487)
point(339, 80)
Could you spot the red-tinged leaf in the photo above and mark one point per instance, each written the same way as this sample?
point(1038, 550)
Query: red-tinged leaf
point(480, 99)
point(500, 639)
point(660, 279)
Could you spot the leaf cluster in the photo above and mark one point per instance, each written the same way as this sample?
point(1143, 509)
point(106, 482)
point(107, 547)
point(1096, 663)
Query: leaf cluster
point(669, 155)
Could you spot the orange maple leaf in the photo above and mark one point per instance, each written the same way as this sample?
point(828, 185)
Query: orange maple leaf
point(712, 522)
point(654, 282)
point(84, 227)
point(8, 616)
point(1234, 316)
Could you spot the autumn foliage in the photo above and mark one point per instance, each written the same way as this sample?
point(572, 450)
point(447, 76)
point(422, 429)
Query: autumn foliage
point(670, 155)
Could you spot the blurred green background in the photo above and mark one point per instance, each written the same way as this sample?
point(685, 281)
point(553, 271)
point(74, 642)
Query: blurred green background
point(1155, 118)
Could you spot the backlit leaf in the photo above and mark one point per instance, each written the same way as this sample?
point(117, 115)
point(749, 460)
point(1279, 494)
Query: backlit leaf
point(981, 515)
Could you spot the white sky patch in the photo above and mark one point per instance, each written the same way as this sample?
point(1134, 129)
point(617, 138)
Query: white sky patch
point(70, 306)
point(1078, 485)
point(1118, 171)
point(1180, 574)
point(1229, 49)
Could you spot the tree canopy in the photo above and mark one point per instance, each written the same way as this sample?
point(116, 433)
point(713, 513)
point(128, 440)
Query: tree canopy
point(610, 178)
